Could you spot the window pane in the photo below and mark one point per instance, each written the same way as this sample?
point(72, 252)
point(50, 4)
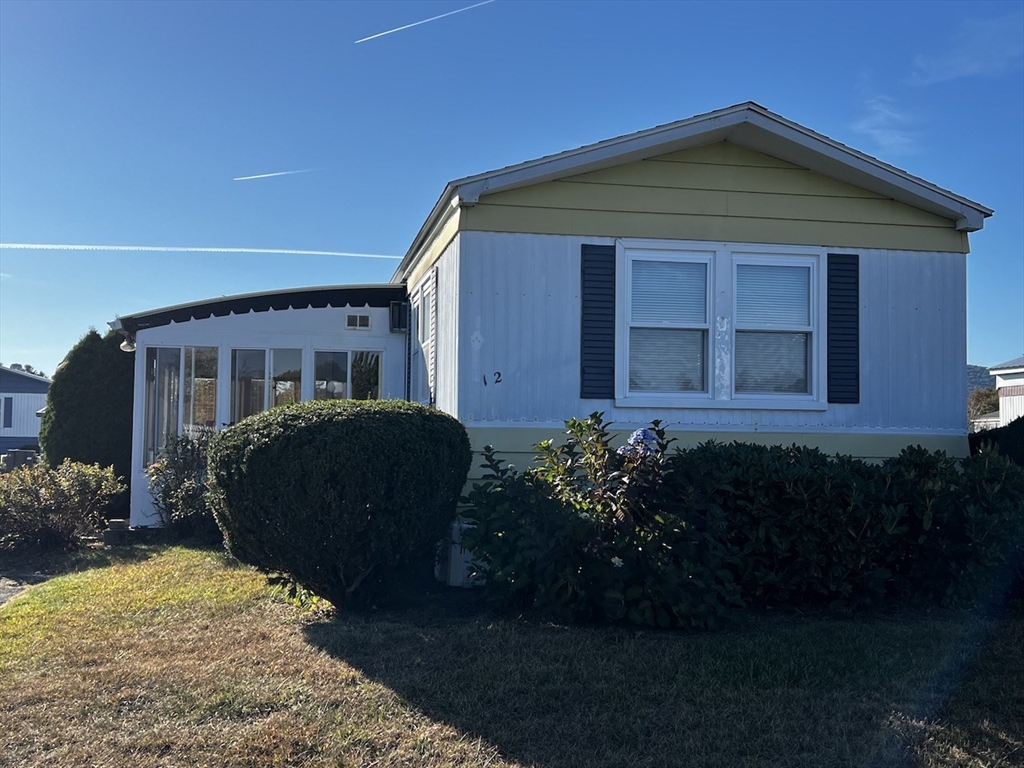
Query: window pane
point(666, 360)
point(200, 395)
point(331, 375)
point(163, 372)
point(669, 293)
point(248, 382)
point(772, 363)
point(769, 295)
point(365, 375)
point(286, 381)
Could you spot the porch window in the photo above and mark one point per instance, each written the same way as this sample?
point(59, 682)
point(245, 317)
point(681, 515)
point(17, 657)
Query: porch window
point(248, 382)
point(286, 383)
point(163, 374)
point(366, 375)
point(331, 375)
point(199, 402)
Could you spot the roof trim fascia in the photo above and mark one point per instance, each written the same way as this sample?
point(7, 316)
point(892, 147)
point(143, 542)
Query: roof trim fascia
point(748, 124)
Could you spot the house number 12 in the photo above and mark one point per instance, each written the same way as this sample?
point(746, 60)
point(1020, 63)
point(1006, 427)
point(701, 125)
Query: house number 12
point(497, 378)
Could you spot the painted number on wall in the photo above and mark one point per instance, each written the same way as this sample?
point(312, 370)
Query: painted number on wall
point(495, 379)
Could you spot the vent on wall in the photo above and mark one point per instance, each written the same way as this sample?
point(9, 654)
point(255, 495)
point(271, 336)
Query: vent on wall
point(357, 322)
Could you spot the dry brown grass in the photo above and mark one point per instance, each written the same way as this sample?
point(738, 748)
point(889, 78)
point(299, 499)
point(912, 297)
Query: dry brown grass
point(176, 657)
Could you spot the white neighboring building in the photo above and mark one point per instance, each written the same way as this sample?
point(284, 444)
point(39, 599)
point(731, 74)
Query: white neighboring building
point(21, 395)
point(1010, 386)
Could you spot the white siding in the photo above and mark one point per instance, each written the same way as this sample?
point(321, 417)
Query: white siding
point(24, 422)
point(519, 297)
point(1010, 409)
point(446, 339)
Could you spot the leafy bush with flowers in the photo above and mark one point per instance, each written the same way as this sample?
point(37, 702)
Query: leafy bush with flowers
point(43, 508)
point(590, 533)
point(177, 482)
point(586, 536)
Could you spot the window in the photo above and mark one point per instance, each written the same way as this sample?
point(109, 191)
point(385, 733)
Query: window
point(248, 382)
point(341, 375)
point(422, 344)
point(286, 376)
point(718, 325)
point(357, 322)
point(163, 374)
point(199, 402)
point(8, 412)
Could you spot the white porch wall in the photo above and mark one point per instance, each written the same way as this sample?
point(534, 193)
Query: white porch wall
point(308, 329)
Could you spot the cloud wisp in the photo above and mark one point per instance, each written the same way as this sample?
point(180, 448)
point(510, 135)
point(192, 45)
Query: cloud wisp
point(424, 21)
point(187, 249)
point(887, 127)
point(983, 47)
point(277, 173)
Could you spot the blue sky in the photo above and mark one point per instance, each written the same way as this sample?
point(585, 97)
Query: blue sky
point(126, 124)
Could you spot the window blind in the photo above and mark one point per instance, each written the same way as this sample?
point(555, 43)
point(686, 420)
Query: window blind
point(773, 296)
point(666, 360)
point(668, 293)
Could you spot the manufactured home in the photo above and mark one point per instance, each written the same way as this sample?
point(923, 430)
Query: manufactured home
point(22, 396)
point(1010, 386)
point(735, 275)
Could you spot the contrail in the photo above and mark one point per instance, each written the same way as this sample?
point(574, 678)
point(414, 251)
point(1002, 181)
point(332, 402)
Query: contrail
point(417, 23)
point(279, 173)
point(185, 249)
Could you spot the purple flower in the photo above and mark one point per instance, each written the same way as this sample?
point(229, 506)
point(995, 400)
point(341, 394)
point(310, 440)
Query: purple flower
point(643, 442)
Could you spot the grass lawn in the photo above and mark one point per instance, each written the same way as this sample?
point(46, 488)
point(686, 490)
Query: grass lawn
point(155, 656)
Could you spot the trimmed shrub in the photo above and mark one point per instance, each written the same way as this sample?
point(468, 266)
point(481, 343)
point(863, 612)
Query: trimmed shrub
point(590, 533)
point(47, 508)
point(177, 482)
point(343, 496)
point(88, 416)
point(586, 536)
point(1009, 440)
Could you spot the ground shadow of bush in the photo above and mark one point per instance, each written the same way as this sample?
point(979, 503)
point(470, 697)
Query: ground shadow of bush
point(775, 692)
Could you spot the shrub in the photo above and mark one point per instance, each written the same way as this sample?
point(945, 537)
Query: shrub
point(1009, 440)
point(801, 526)
point(88, 416)
point(340, 495)
point(51, 508)
point(177, 481)
point(586, 536)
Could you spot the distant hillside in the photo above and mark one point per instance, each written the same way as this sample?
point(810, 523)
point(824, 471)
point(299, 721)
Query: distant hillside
point(978, 378)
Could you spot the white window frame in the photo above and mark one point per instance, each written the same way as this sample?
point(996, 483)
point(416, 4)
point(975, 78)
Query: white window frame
point(723, 258)
point(421, 342)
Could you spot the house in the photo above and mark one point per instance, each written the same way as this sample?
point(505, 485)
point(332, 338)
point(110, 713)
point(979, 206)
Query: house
point(22, 394)
point(984, 422)
point(1010, 386)
point(736, 275)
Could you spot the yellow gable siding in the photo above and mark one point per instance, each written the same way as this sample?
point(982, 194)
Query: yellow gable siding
point(717, 192)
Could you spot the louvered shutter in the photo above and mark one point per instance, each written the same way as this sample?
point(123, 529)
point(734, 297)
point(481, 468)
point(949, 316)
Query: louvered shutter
point(843, 328)
point(597, 335)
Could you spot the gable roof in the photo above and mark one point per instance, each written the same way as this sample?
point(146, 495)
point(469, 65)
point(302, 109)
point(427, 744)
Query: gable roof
point(1017, 362)
point(26, 374)
point(747, 124)
point(297, 298)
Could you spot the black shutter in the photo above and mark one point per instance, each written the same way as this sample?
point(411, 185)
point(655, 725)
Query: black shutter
point(843, 328)
point(597, 337)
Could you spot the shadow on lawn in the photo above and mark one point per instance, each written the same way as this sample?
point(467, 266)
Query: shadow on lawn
point(776, 692)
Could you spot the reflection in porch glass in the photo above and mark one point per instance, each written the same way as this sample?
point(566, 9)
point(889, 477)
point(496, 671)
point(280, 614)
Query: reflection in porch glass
point(286, 384)
point(365, 375)
point(248, 382)
point(331, 375)
point(163, 367)
point(200, 395)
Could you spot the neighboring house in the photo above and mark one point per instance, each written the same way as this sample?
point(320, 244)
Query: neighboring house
point(985, 421)
point(22, 394)
point(734, 275)
point(1010, 386)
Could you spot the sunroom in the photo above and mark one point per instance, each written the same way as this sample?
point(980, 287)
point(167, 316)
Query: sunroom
point(203, 366)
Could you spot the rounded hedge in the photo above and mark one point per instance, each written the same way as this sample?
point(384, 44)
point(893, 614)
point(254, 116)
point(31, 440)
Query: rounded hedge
point(341, 495)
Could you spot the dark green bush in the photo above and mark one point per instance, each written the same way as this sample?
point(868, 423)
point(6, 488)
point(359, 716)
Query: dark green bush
point(801, 526)
point(585, 536)
point(88, 416)
point(177, 481)
point(342, 496)
point(739, 524)
point(43, 508)
point(1009, 440)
